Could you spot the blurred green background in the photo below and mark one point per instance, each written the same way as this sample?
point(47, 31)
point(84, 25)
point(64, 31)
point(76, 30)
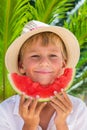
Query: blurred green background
point(71, 14)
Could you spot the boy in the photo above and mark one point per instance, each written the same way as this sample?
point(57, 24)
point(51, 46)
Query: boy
point(42, 53)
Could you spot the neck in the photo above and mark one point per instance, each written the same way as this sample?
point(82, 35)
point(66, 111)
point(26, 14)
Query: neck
point(49, 108)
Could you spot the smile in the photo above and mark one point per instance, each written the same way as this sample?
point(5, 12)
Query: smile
point(43, 72)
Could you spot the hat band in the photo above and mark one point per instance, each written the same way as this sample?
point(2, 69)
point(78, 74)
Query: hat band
point(32, 25)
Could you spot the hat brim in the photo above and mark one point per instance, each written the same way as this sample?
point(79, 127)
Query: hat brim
point(70, 41)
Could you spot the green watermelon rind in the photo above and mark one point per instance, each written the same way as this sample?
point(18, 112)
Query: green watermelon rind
point(13, 85)
point(70, 83)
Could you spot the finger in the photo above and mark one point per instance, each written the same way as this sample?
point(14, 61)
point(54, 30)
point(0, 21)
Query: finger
point(56, 107)
point(40, 107)
point(22, 99)
point(33, 106)
point(24, 105)
point(66, 98)
point(68, 102)
point(60, 97)
point(57, 102)
point(63, 97)
point(27, 102)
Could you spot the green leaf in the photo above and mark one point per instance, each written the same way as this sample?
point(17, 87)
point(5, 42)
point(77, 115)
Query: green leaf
point(11, 24)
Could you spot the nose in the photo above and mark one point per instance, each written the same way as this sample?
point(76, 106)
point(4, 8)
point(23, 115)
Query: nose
point(44, 61)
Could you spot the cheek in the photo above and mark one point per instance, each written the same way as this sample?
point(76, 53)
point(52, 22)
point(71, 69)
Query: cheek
point(58, 67)
point(57, 63)
point(30, 65)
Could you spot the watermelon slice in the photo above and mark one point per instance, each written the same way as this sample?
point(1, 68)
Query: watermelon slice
point(23, 84)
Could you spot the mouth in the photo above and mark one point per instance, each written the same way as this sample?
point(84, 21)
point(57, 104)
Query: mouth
point(44, 72)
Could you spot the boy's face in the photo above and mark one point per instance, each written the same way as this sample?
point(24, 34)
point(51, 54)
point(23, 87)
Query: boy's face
point(42, 63)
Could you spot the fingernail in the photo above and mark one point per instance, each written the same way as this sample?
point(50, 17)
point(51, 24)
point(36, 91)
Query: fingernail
point(62, 90)
point(37, 96)
point(31, 97)
point(45, 103)
point(51, 97)
point(55, 92)
point(23, 93)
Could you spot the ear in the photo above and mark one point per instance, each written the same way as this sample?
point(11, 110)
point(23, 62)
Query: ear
point(64, 64)
point(62, 68)
point(21, 68)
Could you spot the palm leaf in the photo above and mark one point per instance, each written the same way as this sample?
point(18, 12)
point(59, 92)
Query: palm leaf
point(47, 11)
point(78, 25)
point(10, 21)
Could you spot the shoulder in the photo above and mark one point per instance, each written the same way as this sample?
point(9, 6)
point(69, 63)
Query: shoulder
point(9, 114)
point(9, 103)
point(79, 106)
point(12, 99)
point(78, 117)
point(76, 101)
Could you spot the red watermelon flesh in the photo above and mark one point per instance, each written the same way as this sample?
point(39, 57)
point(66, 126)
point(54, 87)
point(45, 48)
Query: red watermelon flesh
point(23, 84)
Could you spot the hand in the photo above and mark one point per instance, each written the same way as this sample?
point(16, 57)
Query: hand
point(63, 107)
point(29, 110)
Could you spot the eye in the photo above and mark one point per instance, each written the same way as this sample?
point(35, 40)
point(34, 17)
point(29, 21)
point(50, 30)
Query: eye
point(35, 56)
point(53, 55)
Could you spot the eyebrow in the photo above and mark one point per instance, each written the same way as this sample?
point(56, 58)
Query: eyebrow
point(33, 51)
point(52, 50)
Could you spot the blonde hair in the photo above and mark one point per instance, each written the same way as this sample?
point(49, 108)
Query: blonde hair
point(46, 38)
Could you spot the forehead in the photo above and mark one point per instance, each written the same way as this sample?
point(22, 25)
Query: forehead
point(48, 40)
point(38, 47)
point(43, 39)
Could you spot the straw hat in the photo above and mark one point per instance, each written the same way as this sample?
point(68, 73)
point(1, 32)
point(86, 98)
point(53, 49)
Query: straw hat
point(35, 27)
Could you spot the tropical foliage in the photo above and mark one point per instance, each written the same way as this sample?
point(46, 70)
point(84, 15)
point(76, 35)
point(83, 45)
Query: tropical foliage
point(15, 13)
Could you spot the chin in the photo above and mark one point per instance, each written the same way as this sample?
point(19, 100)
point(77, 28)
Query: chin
point(44, 80)
point(45, 83)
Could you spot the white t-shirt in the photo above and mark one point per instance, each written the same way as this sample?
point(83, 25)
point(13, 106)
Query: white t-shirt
point(11, 120)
